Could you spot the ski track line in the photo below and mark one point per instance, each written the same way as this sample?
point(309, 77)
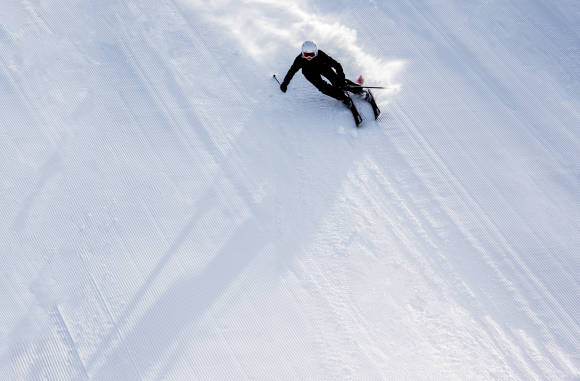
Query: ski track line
point(64, 333)
point(153, 91)
point(27, 105)
point(77, 209)
point(127, 43)
point(333, 361)
point(408, 242)
point(124, 317)
point(496, 231)
point(500, 240)
point(341, 308)
point(523, 124)
point(232, 355)
point(119, 324)
point(296, 303)
point(533, 102)
point(31, 111)
point(514, 212)
point(517, 365)
point(402, 208)
point(180, 345)
point(397, 145)
point(531, 107)
point(405, 241)
point(298, 337)
point(405, 206)
point(497, 192)
point(159, 97)
point(247, 291)
point(45, 172)
point(105, 305)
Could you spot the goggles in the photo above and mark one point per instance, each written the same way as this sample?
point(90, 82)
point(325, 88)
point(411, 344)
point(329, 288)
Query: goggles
point(308, 55)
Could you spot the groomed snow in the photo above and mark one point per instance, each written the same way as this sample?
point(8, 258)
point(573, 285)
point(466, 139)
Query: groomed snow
point(168, 213)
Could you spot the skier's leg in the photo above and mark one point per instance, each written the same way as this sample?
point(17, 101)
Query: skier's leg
point(325, 88)
point(336, 93)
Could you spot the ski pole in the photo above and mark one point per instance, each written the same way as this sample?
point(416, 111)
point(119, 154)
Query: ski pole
point(276, 78)
point(365, 87)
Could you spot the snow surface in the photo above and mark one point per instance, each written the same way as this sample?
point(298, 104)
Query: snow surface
point(168, 213)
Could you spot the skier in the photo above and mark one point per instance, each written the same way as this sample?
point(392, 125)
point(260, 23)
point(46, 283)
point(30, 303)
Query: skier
point(316, 64)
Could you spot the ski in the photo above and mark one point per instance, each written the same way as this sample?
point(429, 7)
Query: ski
point(355, 114)
point(371, 99)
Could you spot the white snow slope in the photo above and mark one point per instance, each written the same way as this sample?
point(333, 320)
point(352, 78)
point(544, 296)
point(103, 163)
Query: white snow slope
point(168, 213)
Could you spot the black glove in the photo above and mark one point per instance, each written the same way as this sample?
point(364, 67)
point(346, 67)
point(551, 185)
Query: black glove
point(284, 87)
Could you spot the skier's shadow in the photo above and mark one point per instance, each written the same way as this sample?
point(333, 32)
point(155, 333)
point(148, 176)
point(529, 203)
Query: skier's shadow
point(185, 303)
point(275, 221)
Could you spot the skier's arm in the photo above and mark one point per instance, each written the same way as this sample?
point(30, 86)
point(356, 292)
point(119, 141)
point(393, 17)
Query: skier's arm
point(296, 65)
point(335, 65)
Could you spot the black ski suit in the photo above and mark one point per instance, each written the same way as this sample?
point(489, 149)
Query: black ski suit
point(321, 66)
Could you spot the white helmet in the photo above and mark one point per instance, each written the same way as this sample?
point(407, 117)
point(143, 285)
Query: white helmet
point(309, 50)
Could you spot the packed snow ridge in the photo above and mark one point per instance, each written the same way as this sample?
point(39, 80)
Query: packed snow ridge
point(168, 213)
